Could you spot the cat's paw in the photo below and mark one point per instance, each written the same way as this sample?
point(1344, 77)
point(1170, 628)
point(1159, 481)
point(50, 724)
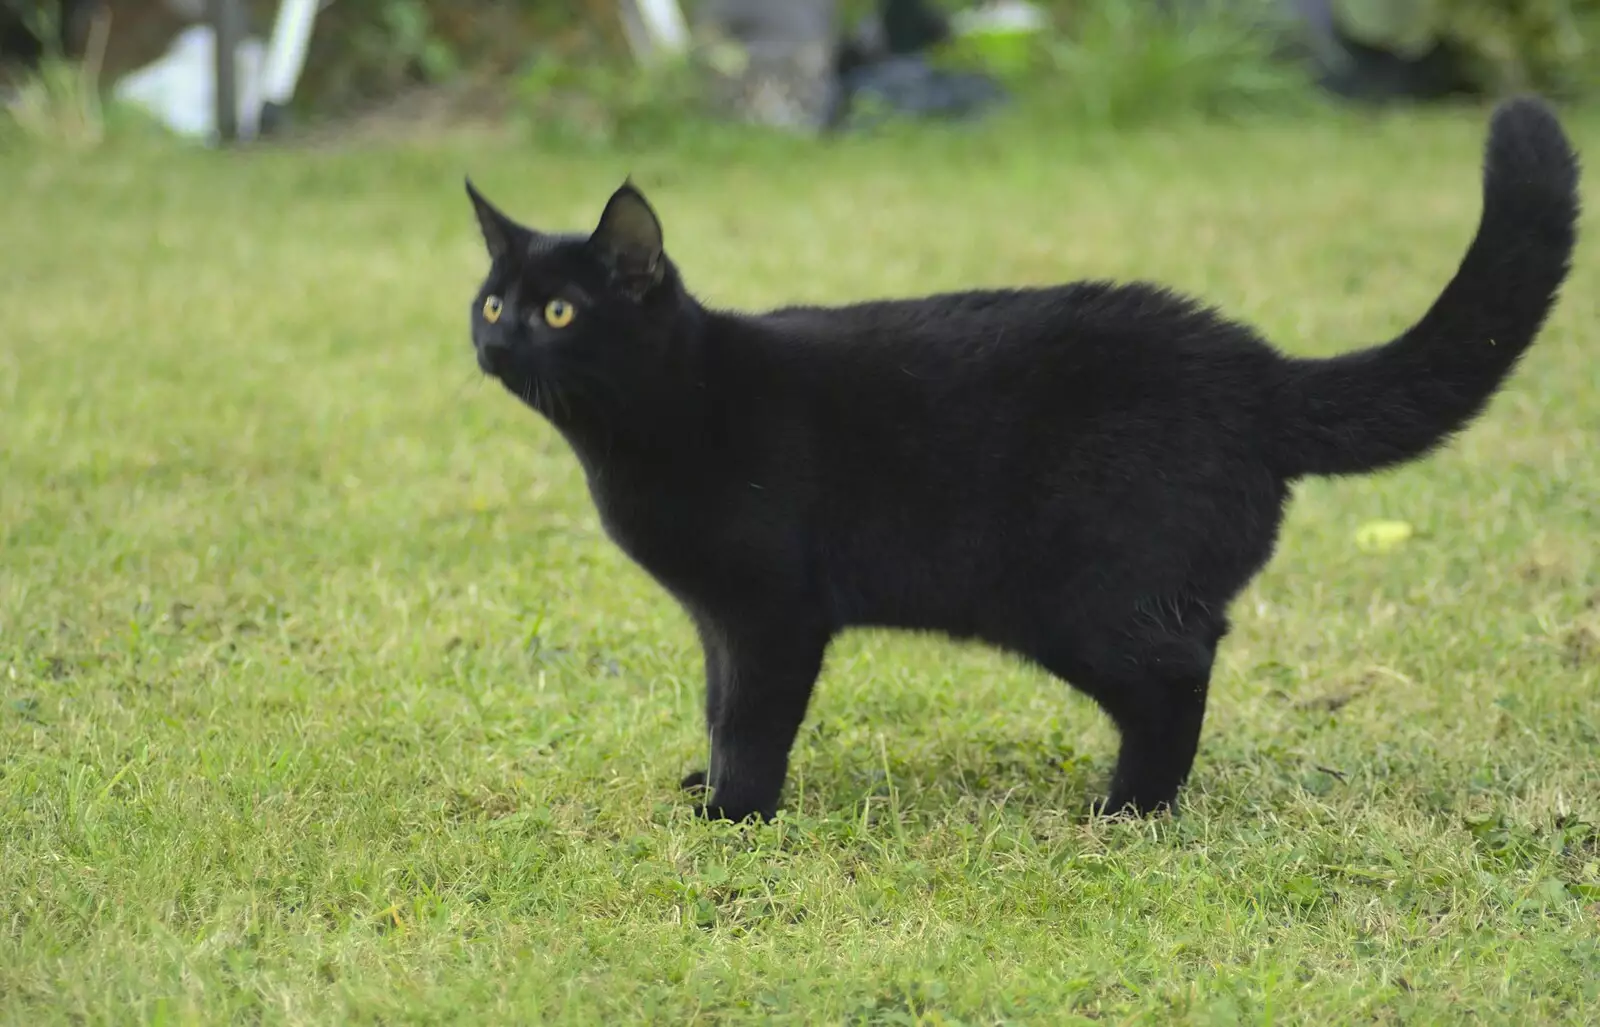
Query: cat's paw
point(1099, 809)
point(695, 784)
point(737, 814)
point(1118, 808)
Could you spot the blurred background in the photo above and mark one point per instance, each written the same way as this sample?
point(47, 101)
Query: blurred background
point(620, 70)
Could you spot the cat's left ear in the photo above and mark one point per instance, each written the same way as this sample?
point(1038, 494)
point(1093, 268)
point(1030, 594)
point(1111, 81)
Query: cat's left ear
point(628, 241)
point(500, 233)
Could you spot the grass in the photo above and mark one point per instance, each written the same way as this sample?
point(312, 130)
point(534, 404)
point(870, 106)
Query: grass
point(323, 697)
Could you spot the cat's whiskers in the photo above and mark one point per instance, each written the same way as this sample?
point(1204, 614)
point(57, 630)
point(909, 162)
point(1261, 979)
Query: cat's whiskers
point(472, 376)
point(559, 395)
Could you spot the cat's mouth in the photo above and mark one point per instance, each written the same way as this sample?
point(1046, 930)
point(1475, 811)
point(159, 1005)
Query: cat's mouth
point(520, 383)
point(512, 370)
point(494, 360)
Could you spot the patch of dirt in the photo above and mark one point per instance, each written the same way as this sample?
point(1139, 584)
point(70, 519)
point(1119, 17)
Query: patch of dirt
point(420, 114)
point(1581, 646)
point(1338, 698)
point(1332, 702)
point(1543, 566)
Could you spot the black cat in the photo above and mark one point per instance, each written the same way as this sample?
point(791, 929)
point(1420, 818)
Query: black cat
point(1085, 475)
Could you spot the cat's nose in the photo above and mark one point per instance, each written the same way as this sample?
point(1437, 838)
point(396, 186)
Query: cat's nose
point(492, 354)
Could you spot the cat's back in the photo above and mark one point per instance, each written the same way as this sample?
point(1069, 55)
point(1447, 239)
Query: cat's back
point(1089, 328)
point(1078, 313)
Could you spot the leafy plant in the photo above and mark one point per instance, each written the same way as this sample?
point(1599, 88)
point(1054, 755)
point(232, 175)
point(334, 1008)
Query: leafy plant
point(600, 102)
point(1124, 62)
point(375, 47)
point(368, 49)
point(59, 102)
point(409, 31)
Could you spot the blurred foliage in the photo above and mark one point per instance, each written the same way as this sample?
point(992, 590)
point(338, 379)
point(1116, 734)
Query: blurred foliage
point(1121, 63)
point(571, 64)
point(1506, 45)
point(1106, 61)
point(586, 102)
point(58, 106)
point(58, 103)
point(368, 49)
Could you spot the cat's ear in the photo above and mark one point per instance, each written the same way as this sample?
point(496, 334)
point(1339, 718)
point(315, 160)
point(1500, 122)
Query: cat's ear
point(499, 232)
point(628, 242)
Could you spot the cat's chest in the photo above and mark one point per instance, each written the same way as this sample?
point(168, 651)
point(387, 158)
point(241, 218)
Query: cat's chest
point(696, 536)
point(662, 524)
point(641, 518)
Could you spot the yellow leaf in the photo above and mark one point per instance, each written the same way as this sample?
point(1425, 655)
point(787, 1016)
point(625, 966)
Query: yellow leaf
point(1382, 536)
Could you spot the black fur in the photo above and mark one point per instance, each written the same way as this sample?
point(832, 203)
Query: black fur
point(1086, 475)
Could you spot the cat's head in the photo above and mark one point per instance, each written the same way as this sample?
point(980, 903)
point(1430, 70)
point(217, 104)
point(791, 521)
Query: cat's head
point(575, 322)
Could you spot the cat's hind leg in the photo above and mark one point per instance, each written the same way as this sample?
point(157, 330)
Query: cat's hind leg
point(1150, 670)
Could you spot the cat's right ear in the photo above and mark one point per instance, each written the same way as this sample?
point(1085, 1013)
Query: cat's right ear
point(499, 231)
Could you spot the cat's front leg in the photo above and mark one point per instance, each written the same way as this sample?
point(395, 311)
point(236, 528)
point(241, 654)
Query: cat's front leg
point(760, 671)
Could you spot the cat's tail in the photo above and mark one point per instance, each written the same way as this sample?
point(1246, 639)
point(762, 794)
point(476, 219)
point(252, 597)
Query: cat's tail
point(1374, 408)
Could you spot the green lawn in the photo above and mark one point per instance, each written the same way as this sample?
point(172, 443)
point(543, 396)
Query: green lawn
point(323, 698)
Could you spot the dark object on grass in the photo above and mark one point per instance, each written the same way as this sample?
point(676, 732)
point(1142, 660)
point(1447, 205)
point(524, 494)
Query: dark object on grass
point(883, 71)
point(783, 63)
point(912, 26)
point(910, 86)
point(228, 23)
point(1347, 67)
point(1085, 475)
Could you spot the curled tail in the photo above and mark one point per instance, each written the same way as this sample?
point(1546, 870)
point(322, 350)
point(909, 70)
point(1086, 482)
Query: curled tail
point(1374, 408)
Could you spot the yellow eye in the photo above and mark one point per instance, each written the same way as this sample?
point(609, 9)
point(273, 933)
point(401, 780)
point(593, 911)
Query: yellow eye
point(491, 309)
point(558, 313)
